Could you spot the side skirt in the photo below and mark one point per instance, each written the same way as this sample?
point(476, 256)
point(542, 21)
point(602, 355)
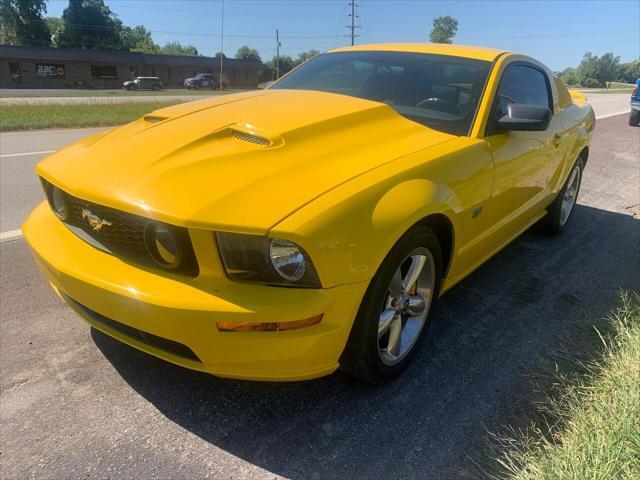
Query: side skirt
point(452, 281)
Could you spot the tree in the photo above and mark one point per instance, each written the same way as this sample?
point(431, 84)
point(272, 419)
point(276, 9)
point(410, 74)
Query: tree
point(90, 24)
point(594, 71)
point(444, 29)
point(285, 63)
point(138, 39)
point(308, 55)
point(219, 54)
point(569, 76)
point(54, 24)
point(247, 53)
point(22, 23)
point(630, 72)
point(176, 48)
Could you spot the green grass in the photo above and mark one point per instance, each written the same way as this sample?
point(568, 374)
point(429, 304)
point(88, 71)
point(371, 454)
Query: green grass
point(589, 426)
point(32, 117)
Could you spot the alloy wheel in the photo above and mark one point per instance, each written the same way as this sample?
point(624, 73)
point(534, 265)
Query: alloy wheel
point(405, 308)
point(570, 195)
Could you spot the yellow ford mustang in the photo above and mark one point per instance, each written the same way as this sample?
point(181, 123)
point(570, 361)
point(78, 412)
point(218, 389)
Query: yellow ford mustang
point(284, 233)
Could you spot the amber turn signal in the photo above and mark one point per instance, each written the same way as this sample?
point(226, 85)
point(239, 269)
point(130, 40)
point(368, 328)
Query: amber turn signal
point(268, 326)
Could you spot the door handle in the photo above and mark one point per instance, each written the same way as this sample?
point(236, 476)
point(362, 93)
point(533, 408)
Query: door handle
point(557, 139)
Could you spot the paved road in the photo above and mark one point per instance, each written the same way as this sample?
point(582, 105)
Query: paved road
point(609, 103)
point(75, 403)
point(20, 190)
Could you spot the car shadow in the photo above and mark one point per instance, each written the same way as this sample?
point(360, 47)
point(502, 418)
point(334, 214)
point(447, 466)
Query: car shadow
point(470, 374)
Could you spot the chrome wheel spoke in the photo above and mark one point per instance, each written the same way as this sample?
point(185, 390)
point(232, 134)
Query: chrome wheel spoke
point(386, 319)
point(415, 269)
point(395, 337)
point(395, 288)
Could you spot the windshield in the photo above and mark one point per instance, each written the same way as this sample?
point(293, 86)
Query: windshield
point(441, 92)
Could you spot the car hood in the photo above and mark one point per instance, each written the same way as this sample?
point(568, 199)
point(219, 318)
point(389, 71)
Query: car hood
point(239, 162)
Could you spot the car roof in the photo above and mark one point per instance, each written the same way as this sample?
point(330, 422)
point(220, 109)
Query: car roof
point(150, 78)
point(479, 53)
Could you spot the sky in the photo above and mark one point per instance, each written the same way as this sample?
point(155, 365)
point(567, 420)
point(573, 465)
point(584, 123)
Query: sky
point(558, 32)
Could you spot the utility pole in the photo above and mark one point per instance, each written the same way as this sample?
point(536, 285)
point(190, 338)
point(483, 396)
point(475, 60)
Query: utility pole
point(221, 45)
point(353, 25)
point(277, 54)
point(353, 22)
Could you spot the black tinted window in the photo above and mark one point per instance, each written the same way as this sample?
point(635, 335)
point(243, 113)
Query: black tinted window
point(522, 84)
point(441, 92)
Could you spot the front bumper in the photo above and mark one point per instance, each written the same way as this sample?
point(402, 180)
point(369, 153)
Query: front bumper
point(635, 105)
point(154, 311)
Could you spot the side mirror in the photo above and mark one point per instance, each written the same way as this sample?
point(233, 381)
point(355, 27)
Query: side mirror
point(520, 117)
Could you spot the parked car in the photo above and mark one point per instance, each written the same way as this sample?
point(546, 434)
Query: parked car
point(143, 83)
point(634, 115)
point(205, 80)
point(284, 233)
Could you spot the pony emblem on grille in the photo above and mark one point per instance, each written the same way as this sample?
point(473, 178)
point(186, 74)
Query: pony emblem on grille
point(95, 221)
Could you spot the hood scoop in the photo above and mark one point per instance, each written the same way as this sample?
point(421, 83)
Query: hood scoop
point(250, 137)
point(153, 119)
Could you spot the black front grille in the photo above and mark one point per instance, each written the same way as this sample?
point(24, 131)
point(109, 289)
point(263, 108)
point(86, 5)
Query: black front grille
point(160, 343)
point(123, 233)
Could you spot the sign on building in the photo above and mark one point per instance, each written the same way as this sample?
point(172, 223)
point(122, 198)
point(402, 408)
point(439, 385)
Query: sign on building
point(49, 70)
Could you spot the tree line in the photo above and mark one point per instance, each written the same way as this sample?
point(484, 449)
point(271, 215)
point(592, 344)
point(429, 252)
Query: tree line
point(88, 24)
point(595, 71)
point(91, 24)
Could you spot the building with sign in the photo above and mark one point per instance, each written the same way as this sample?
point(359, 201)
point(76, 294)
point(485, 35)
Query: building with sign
point(40, 67)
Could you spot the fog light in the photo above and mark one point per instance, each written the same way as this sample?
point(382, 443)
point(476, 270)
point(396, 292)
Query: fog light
point(57, 201)
point(162, 245)
point(268, 326)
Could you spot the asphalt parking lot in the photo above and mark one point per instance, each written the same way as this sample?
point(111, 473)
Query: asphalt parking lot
point(75, 403)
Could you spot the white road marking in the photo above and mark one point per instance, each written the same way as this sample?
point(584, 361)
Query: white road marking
point(25, 154)
point(13, 234)
point(612, 114)
point(10, 235)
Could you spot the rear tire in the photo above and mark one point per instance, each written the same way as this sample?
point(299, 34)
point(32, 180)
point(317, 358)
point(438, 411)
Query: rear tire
point(634, 117)
point(392, 321)
point(560, 211)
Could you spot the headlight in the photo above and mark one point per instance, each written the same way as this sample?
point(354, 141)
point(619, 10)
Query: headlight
point(252, 258)
point(57, 200)
point(288, 260)
point(163, 245)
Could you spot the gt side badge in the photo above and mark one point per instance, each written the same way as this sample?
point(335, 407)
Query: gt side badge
point(476, 211)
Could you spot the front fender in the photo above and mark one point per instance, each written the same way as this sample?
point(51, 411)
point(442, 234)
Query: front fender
point(348, 242)
point(349, 230)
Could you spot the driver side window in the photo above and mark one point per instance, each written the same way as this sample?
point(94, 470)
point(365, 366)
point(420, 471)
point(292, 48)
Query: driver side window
point(523, 85)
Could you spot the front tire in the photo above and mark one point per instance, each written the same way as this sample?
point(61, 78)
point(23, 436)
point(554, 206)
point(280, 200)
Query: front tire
point(634, 117)
point(559, 212)
point(396, 309)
